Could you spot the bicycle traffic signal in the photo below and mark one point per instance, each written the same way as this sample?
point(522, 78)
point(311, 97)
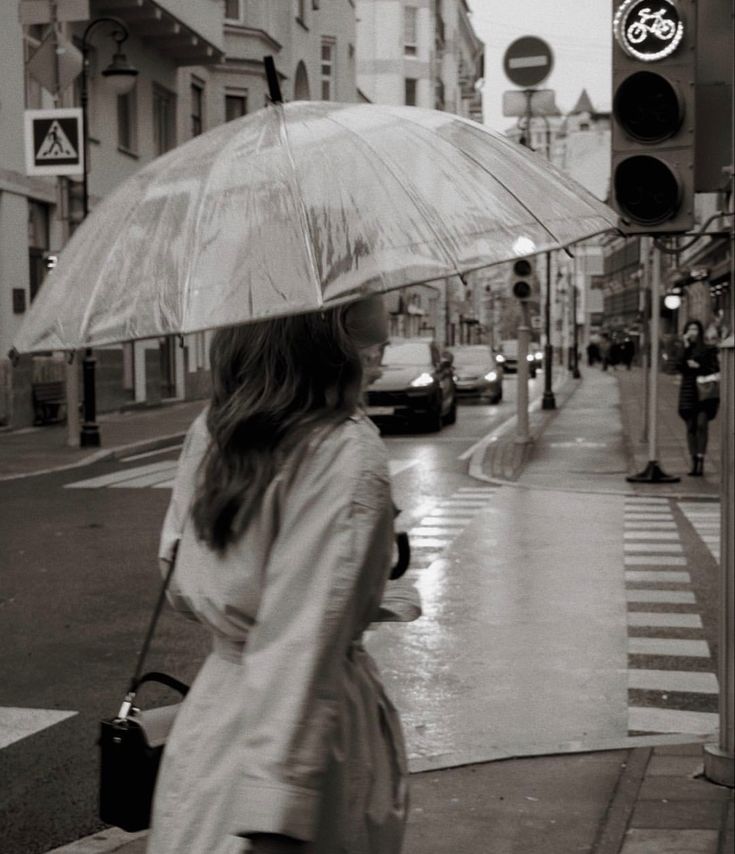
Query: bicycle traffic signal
point(654, 115)
point(521, 279)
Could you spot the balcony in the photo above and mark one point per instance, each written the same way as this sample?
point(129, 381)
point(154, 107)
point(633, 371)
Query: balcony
point(170, 34)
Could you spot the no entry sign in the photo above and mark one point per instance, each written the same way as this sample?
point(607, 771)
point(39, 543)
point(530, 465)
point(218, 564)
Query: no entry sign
point(528, 61)
point(54, 142)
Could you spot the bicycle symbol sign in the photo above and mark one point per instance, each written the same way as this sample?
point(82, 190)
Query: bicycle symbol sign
point(648, 29)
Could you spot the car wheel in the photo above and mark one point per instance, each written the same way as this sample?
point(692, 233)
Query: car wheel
point(434, 418)
point(451, 416)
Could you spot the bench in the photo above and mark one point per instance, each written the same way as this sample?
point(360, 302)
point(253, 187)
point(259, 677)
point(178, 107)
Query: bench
point(48, 398)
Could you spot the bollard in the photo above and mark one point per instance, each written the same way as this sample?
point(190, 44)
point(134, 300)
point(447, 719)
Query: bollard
point(719, 759)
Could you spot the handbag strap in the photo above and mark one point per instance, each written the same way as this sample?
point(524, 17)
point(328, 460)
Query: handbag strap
point(136, 681)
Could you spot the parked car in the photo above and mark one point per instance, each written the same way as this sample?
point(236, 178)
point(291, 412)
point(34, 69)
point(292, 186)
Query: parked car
point(416, 383)
point(478, 373)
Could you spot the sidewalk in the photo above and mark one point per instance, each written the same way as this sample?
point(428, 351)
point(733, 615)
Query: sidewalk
point(36, 450)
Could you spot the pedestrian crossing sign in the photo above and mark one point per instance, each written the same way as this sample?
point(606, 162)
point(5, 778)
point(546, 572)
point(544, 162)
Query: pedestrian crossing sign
point(54, 142)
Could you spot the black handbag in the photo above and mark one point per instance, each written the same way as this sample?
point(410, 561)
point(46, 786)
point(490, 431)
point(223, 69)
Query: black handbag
point(131, 744)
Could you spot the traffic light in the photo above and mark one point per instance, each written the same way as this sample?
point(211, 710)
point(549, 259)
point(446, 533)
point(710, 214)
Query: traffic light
point(521, 279)
point(654, 115)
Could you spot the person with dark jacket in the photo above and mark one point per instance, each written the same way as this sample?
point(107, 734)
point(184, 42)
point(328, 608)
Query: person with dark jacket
point(697, 359)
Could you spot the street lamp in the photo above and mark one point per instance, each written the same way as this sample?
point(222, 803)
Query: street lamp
point(120, 76)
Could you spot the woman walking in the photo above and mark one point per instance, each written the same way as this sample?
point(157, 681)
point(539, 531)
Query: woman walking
point(698, 401)
point(281, 527)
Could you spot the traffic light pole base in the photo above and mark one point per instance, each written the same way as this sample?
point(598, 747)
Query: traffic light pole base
point(548, 401)
point(719, 766)
point(89, 436)
point(652, 473)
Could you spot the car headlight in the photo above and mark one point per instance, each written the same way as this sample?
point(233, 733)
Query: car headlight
point(500, 358)
point(422, 380)
point(491, 376)
point(529, 357)
point(538, 355)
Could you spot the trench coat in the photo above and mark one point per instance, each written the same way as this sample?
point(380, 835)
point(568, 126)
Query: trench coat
point(709, 363)
point(286, 728)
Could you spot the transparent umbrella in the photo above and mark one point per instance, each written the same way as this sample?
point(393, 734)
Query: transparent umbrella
point(298, 207)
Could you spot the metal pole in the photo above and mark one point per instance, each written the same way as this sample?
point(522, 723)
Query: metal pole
point(575, 334)
point(89, 435)
point(719, 759)
point(549, 400)
point(645, 309)
point(523, 436)
point(653, 472)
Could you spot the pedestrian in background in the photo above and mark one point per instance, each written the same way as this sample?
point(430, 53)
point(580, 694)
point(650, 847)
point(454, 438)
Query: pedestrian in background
point(627, 350)
point(699, 397)
point(281, 528)
point(605, 350)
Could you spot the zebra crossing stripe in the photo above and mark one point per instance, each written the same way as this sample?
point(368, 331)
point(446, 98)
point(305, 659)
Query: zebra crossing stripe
point(661, 575)
point(671, 597)
point(652, 719)
point(651, 535)
point(668, 646)
point(651, 526)
point(658, 548)
point(453, 521)
point(119, 477)
point(654, 560)
point(689, 681)
point(657, 619)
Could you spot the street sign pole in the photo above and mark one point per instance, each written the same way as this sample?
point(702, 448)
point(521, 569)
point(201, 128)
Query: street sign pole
point(523, 435)
point(653, 473)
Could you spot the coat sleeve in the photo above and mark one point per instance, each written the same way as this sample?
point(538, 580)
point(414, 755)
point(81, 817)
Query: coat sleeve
point(334, 544)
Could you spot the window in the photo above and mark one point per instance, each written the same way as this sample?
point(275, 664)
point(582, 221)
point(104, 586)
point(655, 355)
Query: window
point(236, 105)
point(127, 124)
point(328, 58)
point(232, 10)
point(301, 11)
point(410, 14)
point(197, 107)
point(410, 90)
point(38, 244)
point(164, 119)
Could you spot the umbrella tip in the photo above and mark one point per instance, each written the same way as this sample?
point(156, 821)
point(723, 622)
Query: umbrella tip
point(274, 87)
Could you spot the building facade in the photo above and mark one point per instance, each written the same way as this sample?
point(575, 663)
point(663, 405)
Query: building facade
point(200, 64)
point(423, 53)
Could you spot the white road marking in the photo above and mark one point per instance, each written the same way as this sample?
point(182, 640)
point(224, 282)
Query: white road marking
point(143, 456)
point(652, 509)
point(654, 560)
point(18, 723)
point(650, 526)
point(438, 519)
point(651, 719)
point(643, 575)
point(651, 535)
point(645, 500)
point(153, 479)
point(106, 480)
point(397, 466)
point(664, 620)
point(429, 543)
point(668, 646)
point(478, 490)
point(673, 680)
point(647, 517)
point(659, 548)
point(672, 597)
point(428, 531)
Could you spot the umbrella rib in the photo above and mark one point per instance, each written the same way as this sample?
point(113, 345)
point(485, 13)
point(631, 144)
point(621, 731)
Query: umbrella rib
point(484, 168)
point(408, 189)
point(300, 204)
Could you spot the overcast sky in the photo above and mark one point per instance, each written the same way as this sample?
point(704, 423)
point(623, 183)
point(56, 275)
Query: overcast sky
point(580, 35)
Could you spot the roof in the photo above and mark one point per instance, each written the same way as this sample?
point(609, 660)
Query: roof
point(583, 105)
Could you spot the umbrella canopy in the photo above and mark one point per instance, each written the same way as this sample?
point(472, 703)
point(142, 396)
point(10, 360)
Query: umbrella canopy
point(298, 207)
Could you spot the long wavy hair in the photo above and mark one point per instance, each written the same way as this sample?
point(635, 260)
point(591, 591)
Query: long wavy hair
point(273, 383)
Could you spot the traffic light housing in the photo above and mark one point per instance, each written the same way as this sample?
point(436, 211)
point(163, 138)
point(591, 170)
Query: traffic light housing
point(521, 286)
point(653, 115)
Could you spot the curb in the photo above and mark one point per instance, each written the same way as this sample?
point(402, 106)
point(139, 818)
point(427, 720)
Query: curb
point(612, 829)
point(109, 453)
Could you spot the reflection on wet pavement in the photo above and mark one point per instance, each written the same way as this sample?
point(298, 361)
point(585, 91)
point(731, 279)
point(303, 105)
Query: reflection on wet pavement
point(523, 638)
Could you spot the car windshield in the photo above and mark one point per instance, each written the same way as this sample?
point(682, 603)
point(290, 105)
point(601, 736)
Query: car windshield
point(408, 353)
point(470, 356)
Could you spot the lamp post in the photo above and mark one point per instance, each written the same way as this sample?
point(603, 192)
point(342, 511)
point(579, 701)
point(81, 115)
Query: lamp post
point(120, 76)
